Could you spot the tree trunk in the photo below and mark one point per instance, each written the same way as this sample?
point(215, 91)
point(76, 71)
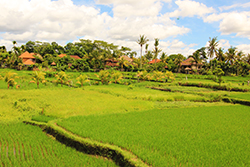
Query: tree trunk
point(141, 57)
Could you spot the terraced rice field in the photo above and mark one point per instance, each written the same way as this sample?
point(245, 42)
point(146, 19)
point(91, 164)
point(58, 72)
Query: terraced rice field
point(207, 136)
point(26, 145)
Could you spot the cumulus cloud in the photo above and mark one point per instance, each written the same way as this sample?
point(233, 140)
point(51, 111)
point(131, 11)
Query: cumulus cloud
point(232, 23)
point(245, 48)
point(46, 19)
point(61, 21)
point(223, 43)
point(188, 8)
point(240, 26)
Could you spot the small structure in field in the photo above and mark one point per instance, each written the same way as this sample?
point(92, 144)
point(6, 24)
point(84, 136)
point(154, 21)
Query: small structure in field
point(189, 65)
point(53, 63)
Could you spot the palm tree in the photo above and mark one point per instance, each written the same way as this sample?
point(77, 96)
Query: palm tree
point(10, 79)
point(156, 50)
point(164, 57)
point(142, 41)
point(178, 60)
point(231, 55)
point(81, 79)
point(117, 77)
point(38, 76)
point(62, 78)
point(212, 48)
point(146, 48)
point(104, 76)
point(196, 59)
point(220, 55)
point(123, 62)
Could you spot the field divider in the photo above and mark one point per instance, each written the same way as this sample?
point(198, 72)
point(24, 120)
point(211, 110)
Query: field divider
point(119, 155)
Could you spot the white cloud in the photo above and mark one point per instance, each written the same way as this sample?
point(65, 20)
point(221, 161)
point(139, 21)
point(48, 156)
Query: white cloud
point(46, 19)
point(223, 43)
point(176, 46)
point(245, 5)
point(244, 47)
point(188, 8)
point(61, 21)
point(238, 23)
point(232, 23)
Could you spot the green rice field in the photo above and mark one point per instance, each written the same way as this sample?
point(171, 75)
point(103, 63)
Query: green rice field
point(213, 136)
point(182, 126)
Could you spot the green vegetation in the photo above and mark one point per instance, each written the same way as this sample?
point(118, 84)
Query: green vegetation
point(186, 137)
point(26, 145)
point(161, 118)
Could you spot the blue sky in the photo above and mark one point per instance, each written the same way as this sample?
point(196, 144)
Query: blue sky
point(181, 25)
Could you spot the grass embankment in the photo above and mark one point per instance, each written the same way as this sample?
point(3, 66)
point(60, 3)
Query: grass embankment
point(120, 156)
point(208, 136)
point(26, 145)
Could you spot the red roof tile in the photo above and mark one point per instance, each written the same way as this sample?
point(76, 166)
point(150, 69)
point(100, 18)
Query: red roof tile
point(153, 61)
point(188, 62)
point(28, 62)
point(62, 55)
point(27, 55)
point(75, 56)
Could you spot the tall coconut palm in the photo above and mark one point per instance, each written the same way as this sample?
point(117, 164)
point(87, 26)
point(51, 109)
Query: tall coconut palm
point(231, 55)
point(212, 47)
point(220, 55)
point(38, 76)
point(142, 41)
point(156, 50)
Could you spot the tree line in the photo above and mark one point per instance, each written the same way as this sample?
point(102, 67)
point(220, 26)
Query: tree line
point(95, 53)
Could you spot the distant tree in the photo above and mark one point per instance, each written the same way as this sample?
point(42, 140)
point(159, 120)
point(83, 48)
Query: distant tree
point(178, 60)
point(156, 50)
point(82, 79)
point(62, 78)
point(196, 59)
point(104, 76)
point(38, 76)
point(142, 41)
point(9, 78)
point(219, 73)
point(220, 55)
point(123, 62)
point(212, 48)
point(231, 55)
point(117, 76)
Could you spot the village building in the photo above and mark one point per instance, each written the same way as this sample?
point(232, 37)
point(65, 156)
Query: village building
point(72, 56)
point(154, 61)
point(189, 65)
point(126, 58)
point(28, 58)
point(111, 63)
